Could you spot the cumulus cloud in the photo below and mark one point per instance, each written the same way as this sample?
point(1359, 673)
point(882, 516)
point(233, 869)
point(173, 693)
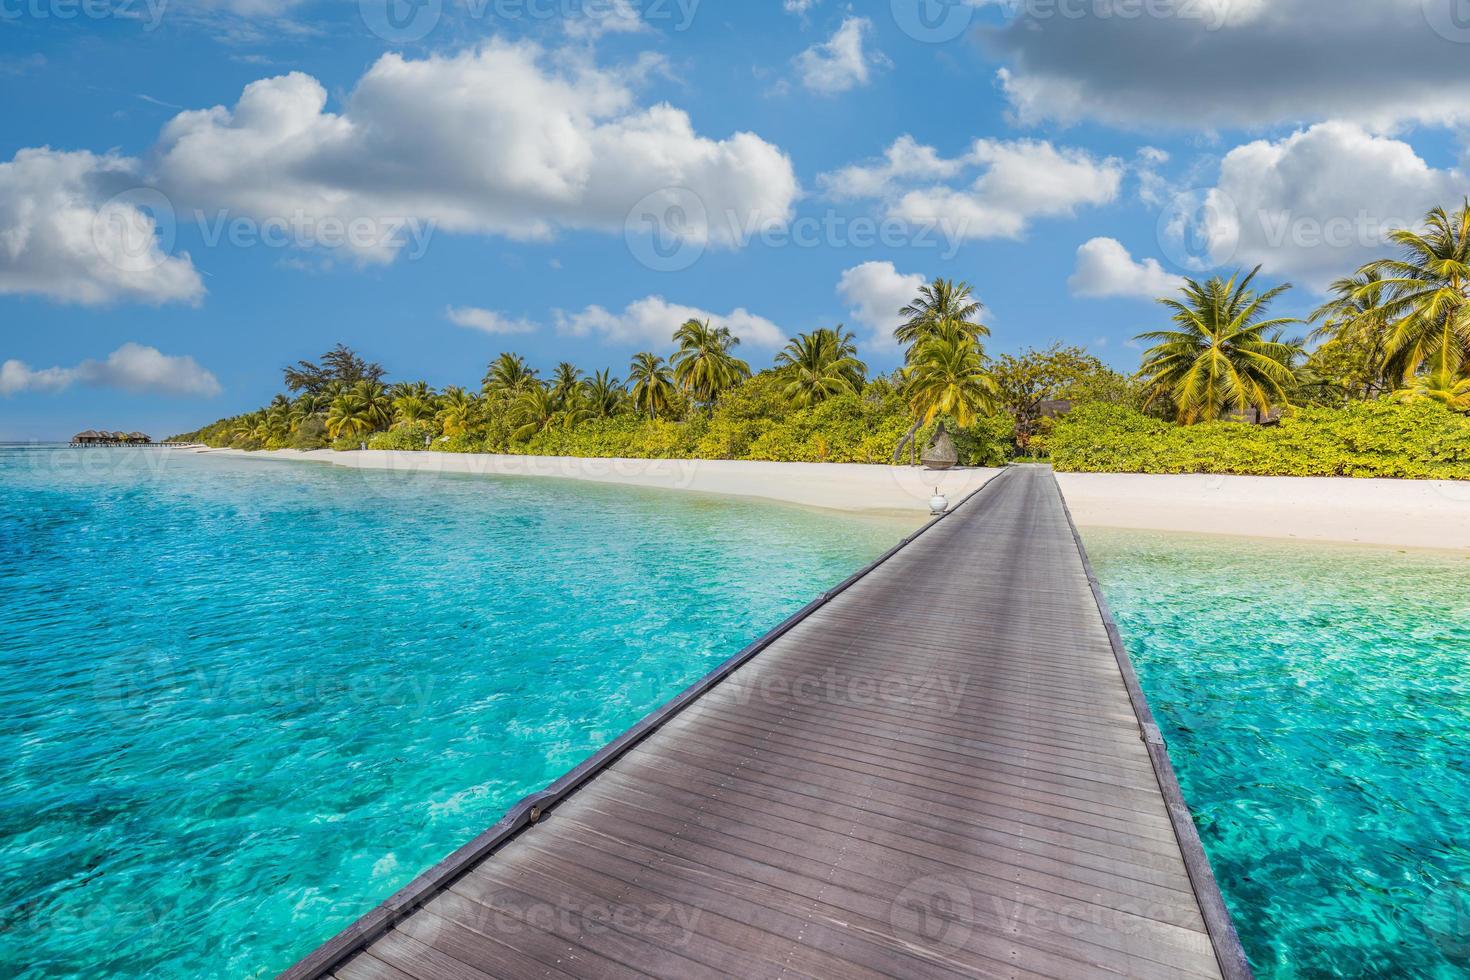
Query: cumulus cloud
point(488, 321)
point(874, 293)
point(653, 320)
point(132, 367)
point(840, 63)
point(1320, 202)
point(1106, 269)
point(503, 139)
point(75, 227)
point(1246, 63)
point(1016, 181)
point(799, 6)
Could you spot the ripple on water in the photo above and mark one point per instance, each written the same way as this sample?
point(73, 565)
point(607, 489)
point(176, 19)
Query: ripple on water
point(1317, 704)
point(242, 701)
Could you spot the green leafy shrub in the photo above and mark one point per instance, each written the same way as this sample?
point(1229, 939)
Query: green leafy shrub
point(404, 438)
point(1364, 439)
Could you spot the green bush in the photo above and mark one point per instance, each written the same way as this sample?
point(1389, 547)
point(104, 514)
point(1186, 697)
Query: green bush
point(405, 438)
point(1364, 439)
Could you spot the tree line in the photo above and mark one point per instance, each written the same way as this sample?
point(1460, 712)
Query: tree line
point(1398, 328)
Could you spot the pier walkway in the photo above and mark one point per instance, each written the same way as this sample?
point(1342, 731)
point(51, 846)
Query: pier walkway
point(944, 768)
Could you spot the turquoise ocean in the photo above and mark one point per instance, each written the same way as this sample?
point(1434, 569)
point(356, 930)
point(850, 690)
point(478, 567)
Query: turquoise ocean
point(242, 701)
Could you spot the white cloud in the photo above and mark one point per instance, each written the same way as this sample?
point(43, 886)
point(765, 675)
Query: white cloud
point(488, 321)
point(799, 6)
point(839, 63)
point(1018, 181)
point(1320, 202)
point(593, 20)
point(874, 293)
point(132, 367)
point(1247, 63)
point(74, 227)
point(1105, 268)
point(905, 160)
point(653, 320)
point(503, 139)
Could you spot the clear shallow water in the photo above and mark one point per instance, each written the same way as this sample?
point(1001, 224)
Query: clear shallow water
point(1317, 705)
point(243, 701)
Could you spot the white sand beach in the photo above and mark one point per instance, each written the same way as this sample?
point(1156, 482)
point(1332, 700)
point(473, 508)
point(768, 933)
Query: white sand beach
point(1397, 513)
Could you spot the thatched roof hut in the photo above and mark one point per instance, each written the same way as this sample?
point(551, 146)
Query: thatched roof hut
point(941, 454)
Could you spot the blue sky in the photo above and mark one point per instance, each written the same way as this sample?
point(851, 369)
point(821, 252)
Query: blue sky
point(168, 235)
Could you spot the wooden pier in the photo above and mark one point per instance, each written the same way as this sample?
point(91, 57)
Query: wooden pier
point(943, 768)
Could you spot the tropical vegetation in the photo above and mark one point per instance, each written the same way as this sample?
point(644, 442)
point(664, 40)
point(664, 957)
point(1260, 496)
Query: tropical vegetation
point(1379, 385)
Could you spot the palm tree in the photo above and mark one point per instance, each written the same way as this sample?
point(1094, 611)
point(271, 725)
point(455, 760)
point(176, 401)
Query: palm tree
point(941, 304)
point(1354, 329)
point(306, 406)
point(459, 411)
point(605, 395)
point(1222, 354)
point(566, 385)
point(1439, 383)
point(278, 417)
point(703, 365)
point(508, 375)
point(349, 415)
point(947, 376)
point(377, 405)
point(535, 411)
point(410, 410)
point(652, 384)
point(822, 363)
point(411, 389)
point(1425, 296)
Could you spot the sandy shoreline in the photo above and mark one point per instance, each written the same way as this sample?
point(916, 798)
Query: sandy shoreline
point(1398, 513)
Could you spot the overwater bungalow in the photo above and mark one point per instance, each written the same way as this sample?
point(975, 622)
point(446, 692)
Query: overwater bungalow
point(93, 437)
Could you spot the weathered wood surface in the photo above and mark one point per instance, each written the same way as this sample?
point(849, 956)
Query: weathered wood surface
point(947, 770)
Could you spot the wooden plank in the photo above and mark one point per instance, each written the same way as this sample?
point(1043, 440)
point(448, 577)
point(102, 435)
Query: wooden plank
point(943, 768)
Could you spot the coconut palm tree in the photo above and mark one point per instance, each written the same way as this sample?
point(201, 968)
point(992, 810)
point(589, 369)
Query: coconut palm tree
point(652, 384)
point(459, 411)
point(1222, 354)
point(942, 304)
point(411, 389)
point(535, 411)
point(409, 410)
point(821, 364)
point(377, 405)
point(947, 375)
point(566, 385)
point(306, 406)
point(1438, 383)
point(605, 395)
point(1424, 297)
point(703, 365)
point(349, 415)
point(278, 417)
point(1353, 330)
point(508, 375)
